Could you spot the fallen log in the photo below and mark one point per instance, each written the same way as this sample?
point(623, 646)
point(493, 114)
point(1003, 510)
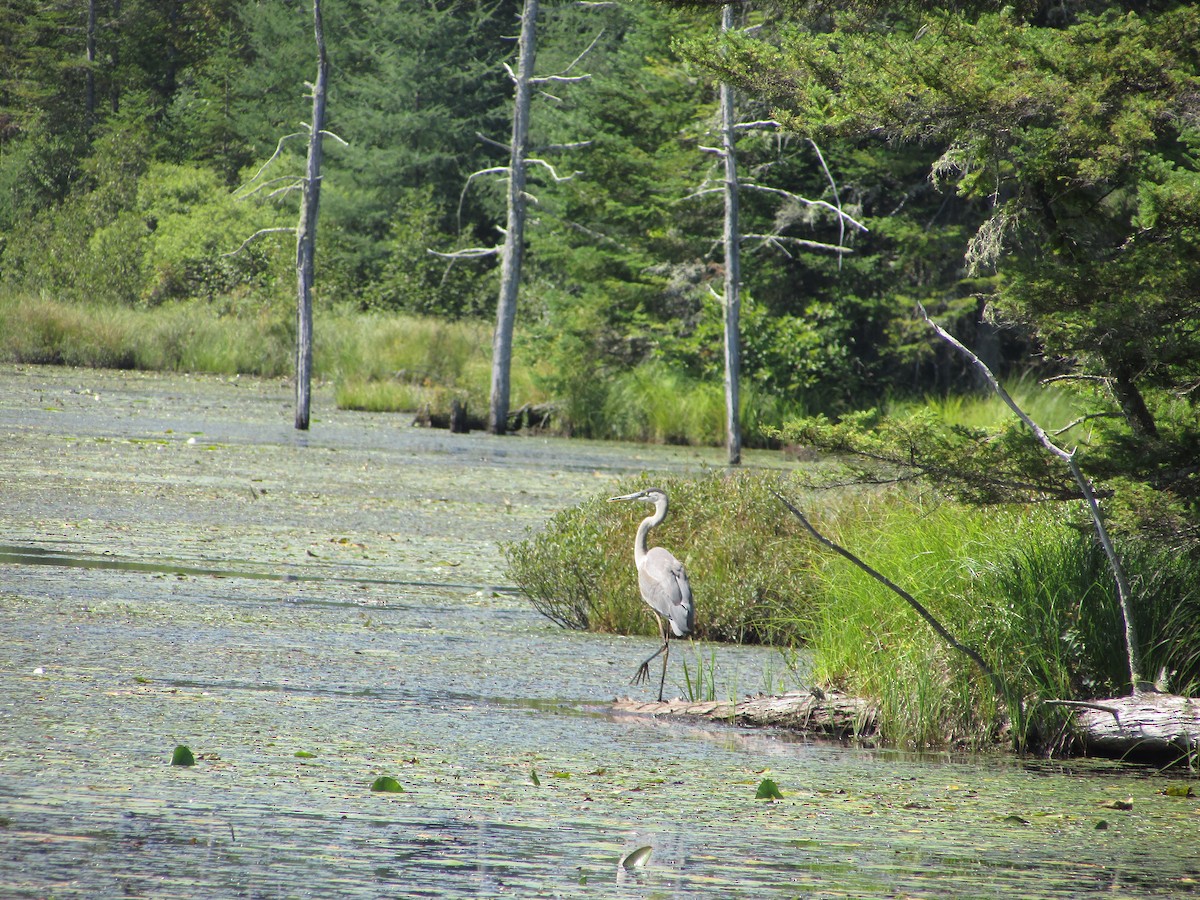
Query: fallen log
point(1162, 727)
point(1147, 724)
point(818, 713)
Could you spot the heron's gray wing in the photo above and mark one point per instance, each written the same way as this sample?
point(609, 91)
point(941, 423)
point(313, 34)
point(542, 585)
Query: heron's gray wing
point(665, 587)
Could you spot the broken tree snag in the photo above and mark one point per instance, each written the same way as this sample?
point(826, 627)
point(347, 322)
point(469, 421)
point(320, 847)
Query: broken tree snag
point(1144, 725)
point(459, 423)
point(825, 714)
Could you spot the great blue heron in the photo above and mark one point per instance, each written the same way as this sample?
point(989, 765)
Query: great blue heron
point(664, 585)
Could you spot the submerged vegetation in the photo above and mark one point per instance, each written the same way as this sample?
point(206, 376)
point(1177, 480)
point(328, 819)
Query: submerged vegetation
point(1022, 585)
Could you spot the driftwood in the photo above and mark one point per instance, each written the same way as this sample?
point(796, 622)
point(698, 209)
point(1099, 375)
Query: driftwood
point(825, 714)
point(1161, 726)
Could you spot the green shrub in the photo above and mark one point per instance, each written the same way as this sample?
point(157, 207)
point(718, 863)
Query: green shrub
point(747, 561)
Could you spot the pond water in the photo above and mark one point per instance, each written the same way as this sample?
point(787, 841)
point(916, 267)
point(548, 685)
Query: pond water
point(309, 612)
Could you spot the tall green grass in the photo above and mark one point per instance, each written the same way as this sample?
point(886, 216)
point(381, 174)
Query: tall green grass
point(378, 361)
point(1052, 406)
point(654, 403)
point(194, 337)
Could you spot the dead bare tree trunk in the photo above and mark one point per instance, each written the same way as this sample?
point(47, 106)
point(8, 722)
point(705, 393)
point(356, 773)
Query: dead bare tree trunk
point(306, 230)
point(514, 235)
point(732, 300)
point(90, 95)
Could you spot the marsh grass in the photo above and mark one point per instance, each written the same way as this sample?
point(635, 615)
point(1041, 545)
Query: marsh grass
point(1025, 587)
point(1052, 406)
point(195, 337)
point(654, 403)
point(700, 678)
point(746, 566)
point(377, 361)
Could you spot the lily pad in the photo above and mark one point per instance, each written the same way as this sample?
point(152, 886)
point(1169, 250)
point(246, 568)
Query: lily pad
point(768, 790)
point(637, 859)
point(387, 785)
point(183, 756)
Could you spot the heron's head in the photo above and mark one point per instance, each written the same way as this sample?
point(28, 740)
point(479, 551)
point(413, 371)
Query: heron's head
point(649, 495)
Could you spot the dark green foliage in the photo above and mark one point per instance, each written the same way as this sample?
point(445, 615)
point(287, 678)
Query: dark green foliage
point(1074, 136)
point(745, 562)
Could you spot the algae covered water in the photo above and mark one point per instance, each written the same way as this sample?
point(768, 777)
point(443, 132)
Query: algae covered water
point(310, 613)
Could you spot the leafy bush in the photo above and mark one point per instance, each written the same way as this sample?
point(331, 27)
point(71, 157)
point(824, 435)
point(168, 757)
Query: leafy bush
point(747, 561)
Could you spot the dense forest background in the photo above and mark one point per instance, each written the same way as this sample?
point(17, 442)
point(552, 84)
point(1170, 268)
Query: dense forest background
point(1029, 173)
point(131, 132)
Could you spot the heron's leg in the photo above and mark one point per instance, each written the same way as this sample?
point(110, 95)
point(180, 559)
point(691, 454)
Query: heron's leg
point(666, 655)
point(642, 675)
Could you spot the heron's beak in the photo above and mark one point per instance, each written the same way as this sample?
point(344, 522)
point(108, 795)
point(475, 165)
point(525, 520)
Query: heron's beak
point(626, 497)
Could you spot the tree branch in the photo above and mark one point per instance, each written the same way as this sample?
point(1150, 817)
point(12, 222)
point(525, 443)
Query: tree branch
point(1132, 649)
point(259, 234)
point(553, 172)
point(278, 150)
point(1000, 688)
point(467, 253)
point(796, 198)
point(776, 239)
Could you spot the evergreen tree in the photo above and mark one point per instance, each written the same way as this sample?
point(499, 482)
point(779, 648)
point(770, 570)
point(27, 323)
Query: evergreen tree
point(1075, 125)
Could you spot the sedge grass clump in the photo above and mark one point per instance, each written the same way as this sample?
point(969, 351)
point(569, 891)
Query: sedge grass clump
point(870, 643)
point(1024, 586)
point(655, 403)
point(397, 362)
point(748, 563)
point(189, 336)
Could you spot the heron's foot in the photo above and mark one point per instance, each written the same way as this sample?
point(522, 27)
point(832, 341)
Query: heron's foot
point(642, 675)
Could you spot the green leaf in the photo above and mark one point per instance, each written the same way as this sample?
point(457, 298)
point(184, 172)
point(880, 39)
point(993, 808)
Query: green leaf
point(533, 776)
point(182, 757)
point(768, 790)
point(387, 784)
point(637, 859)
point(304, 754)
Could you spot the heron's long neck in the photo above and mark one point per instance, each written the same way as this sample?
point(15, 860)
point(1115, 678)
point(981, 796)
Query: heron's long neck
point(639, 543)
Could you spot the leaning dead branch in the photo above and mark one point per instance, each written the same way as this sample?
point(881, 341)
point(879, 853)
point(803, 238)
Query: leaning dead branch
point(918, 607)
point(283, 228)
point(777, 242)
point(467, 253)
point(1132, 648)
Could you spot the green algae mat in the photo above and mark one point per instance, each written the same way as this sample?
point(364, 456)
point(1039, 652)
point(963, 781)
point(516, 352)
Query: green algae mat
point(242, 661)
